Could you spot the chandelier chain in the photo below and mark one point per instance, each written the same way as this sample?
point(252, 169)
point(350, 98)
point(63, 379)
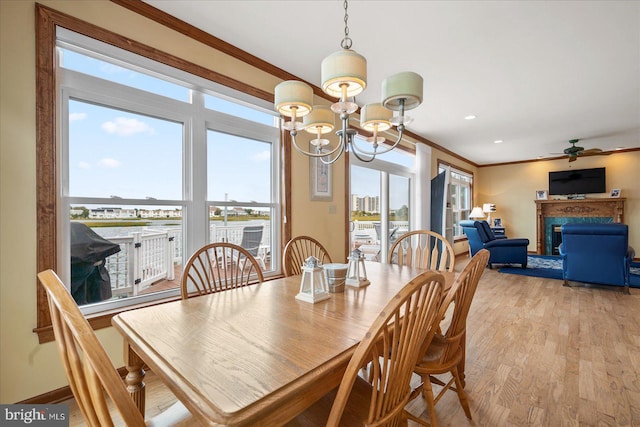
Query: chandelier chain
point(346, 41)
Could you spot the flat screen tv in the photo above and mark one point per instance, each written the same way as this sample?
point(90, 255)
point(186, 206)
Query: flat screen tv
point(578, 181)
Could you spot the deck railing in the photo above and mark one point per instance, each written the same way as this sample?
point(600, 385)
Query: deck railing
point(150, 255)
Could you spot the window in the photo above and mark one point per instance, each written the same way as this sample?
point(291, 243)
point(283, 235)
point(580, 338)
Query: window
point(144, 166)
point(381, 193)
point(460, 194)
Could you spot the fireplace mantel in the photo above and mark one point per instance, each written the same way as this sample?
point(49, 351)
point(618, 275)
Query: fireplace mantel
point(604, 207)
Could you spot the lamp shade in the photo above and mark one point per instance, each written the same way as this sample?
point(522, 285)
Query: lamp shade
point(372, 114)
point(406, 85)
point(344, 67)
point(476, 212)
point(292, 95)
point(321, 119)
point(488, 207)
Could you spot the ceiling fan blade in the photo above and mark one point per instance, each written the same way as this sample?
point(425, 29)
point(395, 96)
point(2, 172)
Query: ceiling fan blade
point(590, 151)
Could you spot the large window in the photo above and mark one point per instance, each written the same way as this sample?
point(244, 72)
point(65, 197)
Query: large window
point(154, 163)
point(460, 195)
point(381, 201)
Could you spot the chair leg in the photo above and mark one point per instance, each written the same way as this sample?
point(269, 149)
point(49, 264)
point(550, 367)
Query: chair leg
point(427, 393)
point(462, 396)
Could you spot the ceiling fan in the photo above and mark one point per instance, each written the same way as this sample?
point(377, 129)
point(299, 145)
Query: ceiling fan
point(575, 151)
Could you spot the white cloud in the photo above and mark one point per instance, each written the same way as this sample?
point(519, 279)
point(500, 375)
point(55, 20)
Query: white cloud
point(262, 156)
point(109, 163)
point(123, 126)
point(84, 165)
point(74, 117)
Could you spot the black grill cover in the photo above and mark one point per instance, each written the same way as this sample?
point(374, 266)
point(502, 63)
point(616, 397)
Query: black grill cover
point(90, 281)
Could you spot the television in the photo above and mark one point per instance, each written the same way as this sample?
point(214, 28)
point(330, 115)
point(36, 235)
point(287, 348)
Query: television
point(578, 181)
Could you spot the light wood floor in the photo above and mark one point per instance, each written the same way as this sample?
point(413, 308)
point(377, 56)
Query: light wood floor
point(538, 354)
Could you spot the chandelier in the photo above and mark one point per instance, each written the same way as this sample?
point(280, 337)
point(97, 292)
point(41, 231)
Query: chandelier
point(344, 75)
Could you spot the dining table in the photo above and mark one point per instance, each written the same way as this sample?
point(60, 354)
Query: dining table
point(255, 355)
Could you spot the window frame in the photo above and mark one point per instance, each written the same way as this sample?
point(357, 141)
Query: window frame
point(47, 154)
point(386, 168)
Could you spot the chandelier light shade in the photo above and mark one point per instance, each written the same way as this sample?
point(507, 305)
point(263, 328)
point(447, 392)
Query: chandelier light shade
point(293, 98)
point(320, 119)
point(405, 87)
point(344, 75)
point(374, 117)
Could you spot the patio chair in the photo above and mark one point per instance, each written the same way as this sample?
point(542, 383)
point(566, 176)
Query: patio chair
point(391, 347)
point(217, 267)
point(91, 374)
point(251, 239)
point(423, 249)
point(446, 352)
point(298, 249)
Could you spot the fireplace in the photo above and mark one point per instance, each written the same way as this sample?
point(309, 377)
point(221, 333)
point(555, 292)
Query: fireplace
point(552, 214)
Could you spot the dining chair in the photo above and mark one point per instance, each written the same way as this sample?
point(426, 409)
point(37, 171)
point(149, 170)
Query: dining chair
point(423, 249)
point(298, 249)
point(390, 347)
point(217, 267)
point(446, 352)
point(89, 370)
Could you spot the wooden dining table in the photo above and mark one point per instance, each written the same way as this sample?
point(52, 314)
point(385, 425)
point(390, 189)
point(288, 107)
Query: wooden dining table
point(254, 355)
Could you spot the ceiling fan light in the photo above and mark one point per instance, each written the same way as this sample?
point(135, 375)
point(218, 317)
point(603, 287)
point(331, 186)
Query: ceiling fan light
point(293, 98)
point(406, 85)
point(344, 67)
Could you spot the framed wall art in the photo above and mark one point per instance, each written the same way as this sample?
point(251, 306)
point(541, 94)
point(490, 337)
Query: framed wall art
point(320, 180)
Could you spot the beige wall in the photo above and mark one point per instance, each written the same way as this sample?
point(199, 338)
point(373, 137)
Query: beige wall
point(512, 188)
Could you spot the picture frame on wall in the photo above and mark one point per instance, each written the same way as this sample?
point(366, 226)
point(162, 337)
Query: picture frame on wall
point(541, 194)
point(320, 180)
point(615, 193)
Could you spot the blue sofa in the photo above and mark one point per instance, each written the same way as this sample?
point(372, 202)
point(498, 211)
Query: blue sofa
point(596, 253)
point(501, 250)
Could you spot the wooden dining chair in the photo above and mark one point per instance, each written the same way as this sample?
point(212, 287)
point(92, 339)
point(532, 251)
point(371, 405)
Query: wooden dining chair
point(217, 267)
point(390, 347)
point(423, 249)
point(91, 374)
point(298, 249)
point(446, 352)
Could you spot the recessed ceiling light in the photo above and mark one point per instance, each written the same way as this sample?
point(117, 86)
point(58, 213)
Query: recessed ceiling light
point(470, 117)
point(498, 141)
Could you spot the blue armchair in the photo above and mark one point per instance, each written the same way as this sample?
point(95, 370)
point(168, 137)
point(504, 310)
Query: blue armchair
point(501, 250)
point(596, 253)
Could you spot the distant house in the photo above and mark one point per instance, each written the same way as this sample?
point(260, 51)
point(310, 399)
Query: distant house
point(160, 213)
point(111, 213)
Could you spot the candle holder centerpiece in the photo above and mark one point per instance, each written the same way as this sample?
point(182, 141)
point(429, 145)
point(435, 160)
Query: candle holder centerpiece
point(356, 271)
point(313, 286)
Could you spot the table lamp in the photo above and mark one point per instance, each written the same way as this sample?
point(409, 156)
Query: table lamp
point(313, 286)
point(488, 208)
point(476, 213)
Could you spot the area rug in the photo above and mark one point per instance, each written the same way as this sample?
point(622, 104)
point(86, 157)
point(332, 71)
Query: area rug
point(550, 267)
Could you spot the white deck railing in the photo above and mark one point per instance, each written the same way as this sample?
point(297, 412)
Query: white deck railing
point(149, 256)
